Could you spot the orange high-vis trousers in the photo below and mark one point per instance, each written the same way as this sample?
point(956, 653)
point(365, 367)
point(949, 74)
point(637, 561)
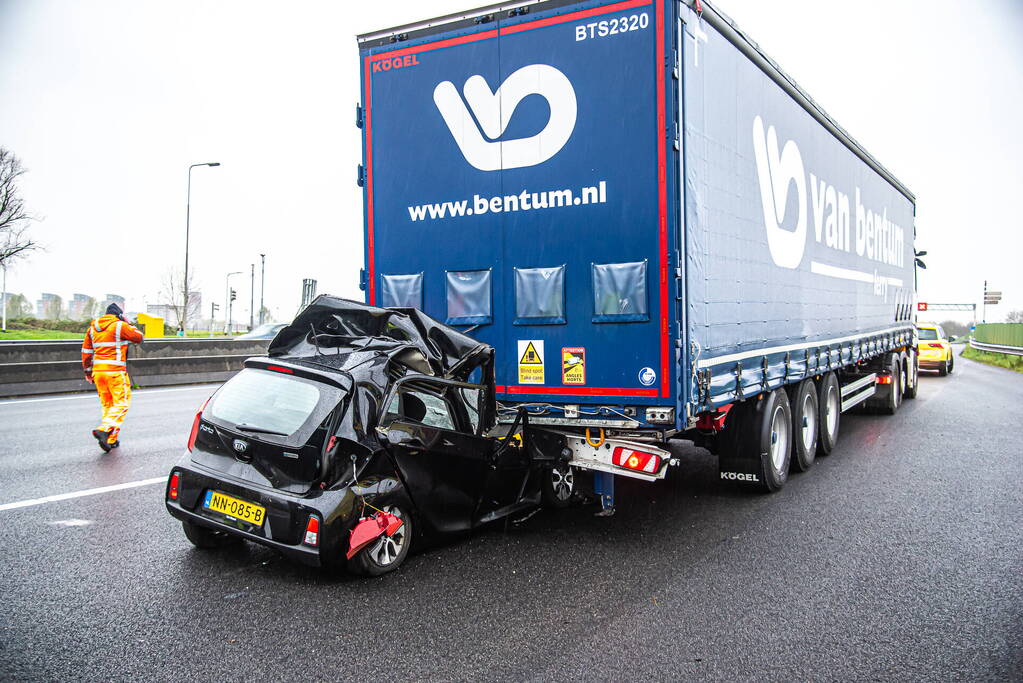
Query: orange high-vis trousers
point(114, 389)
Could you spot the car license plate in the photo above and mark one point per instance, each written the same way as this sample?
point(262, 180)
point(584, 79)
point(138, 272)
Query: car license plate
point(232, 507)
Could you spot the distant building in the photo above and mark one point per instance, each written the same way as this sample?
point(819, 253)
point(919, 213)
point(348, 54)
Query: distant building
point(112, 299)
point(80, 307)
point(49, 306)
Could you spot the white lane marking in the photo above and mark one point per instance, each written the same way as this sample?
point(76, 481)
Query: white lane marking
point(143, 392)
point(72, 522)
point(79, 494)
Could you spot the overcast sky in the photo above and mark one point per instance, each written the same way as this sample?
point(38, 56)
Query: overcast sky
point(107, 102)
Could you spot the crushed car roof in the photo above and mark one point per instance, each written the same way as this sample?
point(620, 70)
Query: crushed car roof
point(345, 335)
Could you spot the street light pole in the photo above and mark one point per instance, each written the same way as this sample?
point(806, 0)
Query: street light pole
point(3, 300)
point(252, 292)
point(262, 284)
point(188, 217)
point(227, 325)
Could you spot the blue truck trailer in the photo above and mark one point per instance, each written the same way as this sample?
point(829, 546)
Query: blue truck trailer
point(661, 234)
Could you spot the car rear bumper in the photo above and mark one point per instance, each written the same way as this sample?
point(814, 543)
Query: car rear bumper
point(931, 364)
point(286, 515)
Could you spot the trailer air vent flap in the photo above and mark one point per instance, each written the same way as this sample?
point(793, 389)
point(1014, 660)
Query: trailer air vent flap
point(403, 291)
point(469, 297)
point(620, 292)
point(540, 296)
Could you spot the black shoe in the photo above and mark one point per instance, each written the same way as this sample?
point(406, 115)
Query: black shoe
point(102, 436)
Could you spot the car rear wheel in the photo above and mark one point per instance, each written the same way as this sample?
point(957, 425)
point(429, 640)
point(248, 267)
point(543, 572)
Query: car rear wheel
point(208, 539)
point(943, 369)
point(951, 362)
point(558, 486)
point(387, 553)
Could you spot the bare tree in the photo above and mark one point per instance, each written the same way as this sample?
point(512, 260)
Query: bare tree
point(172, 295)
point(1014, 316)
point(15, 241)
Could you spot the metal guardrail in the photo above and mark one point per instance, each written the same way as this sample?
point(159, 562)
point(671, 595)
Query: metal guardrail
point(46, 367)
point(997, 348)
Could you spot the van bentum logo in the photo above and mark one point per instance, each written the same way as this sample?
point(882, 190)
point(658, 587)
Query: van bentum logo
point(493, 111)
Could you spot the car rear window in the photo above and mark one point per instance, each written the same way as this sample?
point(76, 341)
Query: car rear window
point(269, 400)
point(926, 334)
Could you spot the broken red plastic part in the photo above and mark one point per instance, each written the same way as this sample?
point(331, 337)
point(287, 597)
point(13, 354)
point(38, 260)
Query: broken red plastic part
point(370, 529)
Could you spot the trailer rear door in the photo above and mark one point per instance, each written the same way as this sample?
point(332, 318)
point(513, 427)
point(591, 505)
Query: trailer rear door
point(517, 179)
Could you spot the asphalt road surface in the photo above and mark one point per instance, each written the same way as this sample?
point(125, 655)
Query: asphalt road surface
point(897, 557)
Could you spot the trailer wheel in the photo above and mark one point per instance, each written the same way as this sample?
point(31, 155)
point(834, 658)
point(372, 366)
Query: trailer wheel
point(829, 410)
point(805, 426)
point(557, 486)
point(912, 384)
point(894, 400)
point(773, 429)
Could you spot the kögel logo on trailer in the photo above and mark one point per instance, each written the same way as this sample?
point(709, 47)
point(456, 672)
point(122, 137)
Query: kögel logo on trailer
point(493, 111)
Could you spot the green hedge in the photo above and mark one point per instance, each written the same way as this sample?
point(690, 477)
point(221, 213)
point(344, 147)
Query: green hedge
point(1006, 334)
point(74, 326)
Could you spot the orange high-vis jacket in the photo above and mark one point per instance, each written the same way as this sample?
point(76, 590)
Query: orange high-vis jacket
point(105, 348)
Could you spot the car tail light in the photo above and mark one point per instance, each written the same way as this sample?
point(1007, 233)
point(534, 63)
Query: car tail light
point(640, 461)
point(195, 425)
point(884, 379)
point(936, 346)
point(172, 487)
point(278, 368)
point(312, 531)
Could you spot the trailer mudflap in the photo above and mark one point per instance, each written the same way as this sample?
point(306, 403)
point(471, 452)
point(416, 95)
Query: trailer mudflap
point(628, 458)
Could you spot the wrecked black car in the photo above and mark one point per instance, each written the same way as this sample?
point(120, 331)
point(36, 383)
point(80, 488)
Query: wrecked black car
point(364, 430)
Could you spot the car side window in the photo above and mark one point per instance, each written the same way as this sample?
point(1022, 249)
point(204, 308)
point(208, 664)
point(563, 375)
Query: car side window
point(471, 399)
point(420, 407)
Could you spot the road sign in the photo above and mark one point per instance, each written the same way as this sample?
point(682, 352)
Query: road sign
point(922, 306)
point(993, 293)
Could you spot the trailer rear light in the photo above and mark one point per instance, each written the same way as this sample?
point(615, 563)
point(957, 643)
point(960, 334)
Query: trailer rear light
point(172, 487)
point(884, 379)
point(640, 461)
point(195, 425)
point(312, 531)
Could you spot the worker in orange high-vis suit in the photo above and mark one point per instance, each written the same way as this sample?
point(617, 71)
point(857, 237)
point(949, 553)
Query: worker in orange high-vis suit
point(104, 356)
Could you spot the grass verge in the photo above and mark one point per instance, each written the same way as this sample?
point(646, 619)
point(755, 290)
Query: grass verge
point(15, 335)
point(1002, 360)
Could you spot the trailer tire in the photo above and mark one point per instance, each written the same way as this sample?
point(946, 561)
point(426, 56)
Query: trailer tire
point(912, 376)
point(756, 451)
point(805, 426)
point(894, 399)
point(829, 411)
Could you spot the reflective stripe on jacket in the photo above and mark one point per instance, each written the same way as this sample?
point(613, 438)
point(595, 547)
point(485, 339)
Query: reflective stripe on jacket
point(105, 348)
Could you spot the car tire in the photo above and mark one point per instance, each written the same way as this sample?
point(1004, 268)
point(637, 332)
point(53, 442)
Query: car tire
point(829, 411)
point(557, 486)
point(386, 553)
point(208, 539)
point(912, 377)
point(894, 399)
point(805, 426)
point(943, 369)
point(951, 362)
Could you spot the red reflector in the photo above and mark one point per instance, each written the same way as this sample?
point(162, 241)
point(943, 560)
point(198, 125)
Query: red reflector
point(172, 488)
point(278, 368)
point(640, 461)
point(312, 531)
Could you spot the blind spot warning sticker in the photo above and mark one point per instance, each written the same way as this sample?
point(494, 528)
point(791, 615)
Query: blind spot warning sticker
point(573, 365)
point(530, 361)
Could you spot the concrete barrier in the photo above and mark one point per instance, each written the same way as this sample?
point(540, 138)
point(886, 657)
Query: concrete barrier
point(31, 368)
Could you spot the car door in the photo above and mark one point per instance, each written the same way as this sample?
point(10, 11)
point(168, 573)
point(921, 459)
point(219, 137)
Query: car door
point(444, 464)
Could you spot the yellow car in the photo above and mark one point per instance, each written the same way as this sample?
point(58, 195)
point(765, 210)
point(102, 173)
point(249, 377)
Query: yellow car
point(934, 349)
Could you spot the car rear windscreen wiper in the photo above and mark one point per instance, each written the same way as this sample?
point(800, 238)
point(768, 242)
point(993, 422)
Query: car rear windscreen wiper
point(258, 430)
